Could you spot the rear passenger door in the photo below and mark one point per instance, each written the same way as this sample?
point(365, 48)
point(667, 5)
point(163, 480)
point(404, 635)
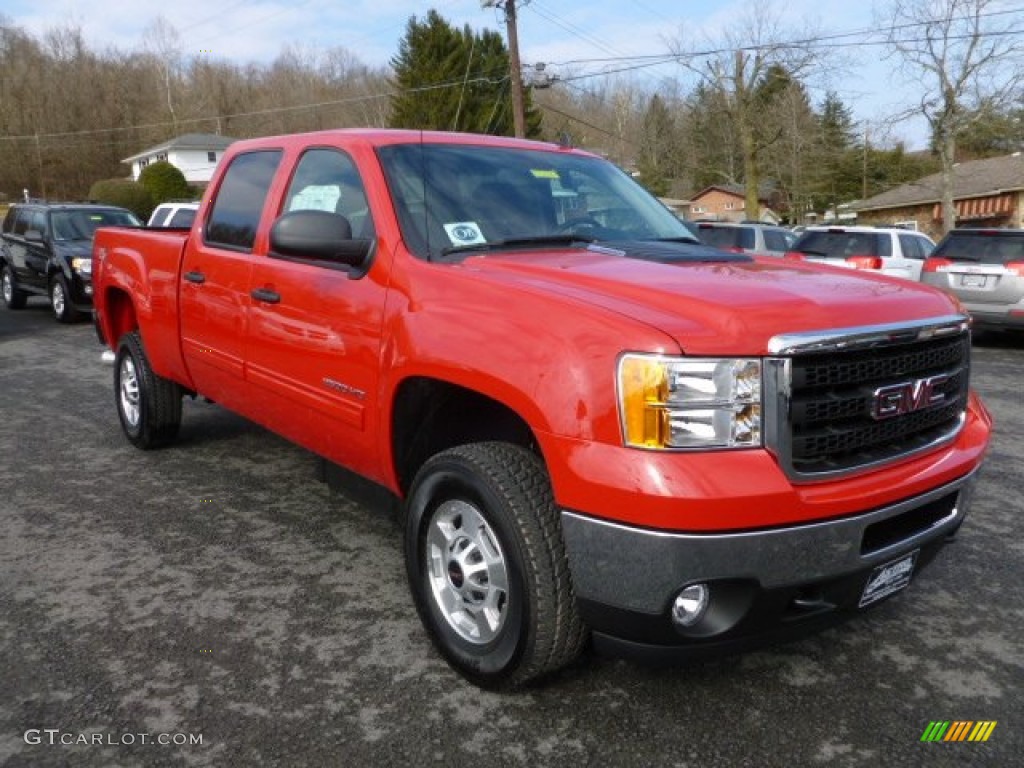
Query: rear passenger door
point(916, 248)
point(215, 276)
point(35, 251)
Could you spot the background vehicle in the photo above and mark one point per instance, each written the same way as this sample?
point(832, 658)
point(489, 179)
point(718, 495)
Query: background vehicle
point(746, 237)
point(47, 251)
point(889, 250)
point(594, 426)
point(984, 268)
point(174, 215)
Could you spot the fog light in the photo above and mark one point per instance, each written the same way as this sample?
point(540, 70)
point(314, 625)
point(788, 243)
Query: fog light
point(690, 605)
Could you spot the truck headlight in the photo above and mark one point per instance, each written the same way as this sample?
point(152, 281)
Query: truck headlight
point(672, 402)
point(83, 265)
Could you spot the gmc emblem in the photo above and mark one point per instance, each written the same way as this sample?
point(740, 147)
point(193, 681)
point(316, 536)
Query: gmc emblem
point(907, 397)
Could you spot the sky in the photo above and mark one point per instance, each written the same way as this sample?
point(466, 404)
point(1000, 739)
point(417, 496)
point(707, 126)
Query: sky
point(571, 38)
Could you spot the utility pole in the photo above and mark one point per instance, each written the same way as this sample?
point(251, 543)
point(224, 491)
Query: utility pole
point(515, 70)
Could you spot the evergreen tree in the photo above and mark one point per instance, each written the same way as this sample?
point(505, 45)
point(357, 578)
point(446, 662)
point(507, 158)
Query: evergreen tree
point(449, 79)
point(657, 148)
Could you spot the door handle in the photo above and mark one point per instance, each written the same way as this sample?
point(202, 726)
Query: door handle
point(266, 295)
point(195, 277)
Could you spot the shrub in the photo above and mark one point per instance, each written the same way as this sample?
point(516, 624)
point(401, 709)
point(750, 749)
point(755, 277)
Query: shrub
point(164, 182)
point(124, 193)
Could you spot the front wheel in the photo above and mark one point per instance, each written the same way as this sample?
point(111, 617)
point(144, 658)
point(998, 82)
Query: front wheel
point(60, 301)
point(149, 406)
point(487, 565)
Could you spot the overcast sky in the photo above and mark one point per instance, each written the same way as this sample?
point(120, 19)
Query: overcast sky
point(551, 31)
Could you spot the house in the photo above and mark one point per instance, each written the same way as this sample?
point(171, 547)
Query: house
point(194, 154)
point(727, 202)
point(986, 193)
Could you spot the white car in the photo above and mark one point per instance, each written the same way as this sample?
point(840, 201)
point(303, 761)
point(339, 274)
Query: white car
point(174, 215)
point(889, 250)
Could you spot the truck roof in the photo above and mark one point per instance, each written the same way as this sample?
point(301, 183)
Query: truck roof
point(389, 136)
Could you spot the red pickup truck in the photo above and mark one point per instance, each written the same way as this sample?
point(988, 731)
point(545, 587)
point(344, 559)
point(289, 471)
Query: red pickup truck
point(596, 426)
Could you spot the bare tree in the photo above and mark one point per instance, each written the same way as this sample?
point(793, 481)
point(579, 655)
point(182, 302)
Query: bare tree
point(754, 47)
point(966, 55)
point(164, 42)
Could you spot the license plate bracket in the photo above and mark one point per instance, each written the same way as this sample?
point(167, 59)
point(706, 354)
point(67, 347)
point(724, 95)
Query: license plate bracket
point(888, 578)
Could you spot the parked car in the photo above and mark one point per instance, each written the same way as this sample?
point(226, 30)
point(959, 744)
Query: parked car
point(47, 251)
point(984, 268)
point(174, 215)
point(889, 250)
point(746, 237)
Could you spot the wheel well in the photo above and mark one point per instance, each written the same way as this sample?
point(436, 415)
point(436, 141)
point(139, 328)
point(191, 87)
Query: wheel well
point(430, 416)
point(120, 315)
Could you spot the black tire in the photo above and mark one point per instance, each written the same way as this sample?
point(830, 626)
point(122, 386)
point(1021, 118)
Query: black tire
point(60, 300)
point(14, 297)
point(471, 509)
point(148, 405)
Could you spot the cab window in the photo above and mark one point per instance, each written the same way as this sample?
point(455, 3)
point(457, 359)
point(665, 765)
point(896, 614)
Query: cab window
point(327, 180)
point(237, 208)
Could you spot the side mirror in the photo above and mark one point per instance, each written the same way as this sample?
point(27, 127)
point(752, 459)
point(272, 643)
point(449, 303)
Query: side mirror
point(34, 236)
point(320, 238)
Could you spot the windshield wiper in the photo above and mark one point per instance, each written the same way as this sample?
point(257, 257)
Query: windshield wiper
point(519, 242)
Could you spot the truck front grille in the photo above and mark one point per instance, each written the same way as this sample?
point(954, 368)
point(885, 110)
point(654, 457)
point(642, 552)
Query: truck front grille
point(861, 397)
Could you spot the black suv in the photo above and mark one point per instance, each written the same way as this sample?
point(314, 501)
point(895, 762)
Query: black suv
point(46, 250)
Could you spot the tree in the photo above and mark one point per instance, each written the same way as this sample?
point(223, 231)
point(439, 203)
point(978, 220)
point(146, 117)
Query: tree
point(966, 56)
point(657, 147)
point(754, 65)
point(449, 79)
point(124, 193)
point(164, 182)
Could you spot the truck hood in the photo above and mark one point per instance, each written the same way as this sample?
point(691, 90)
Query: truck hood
point(710, 306)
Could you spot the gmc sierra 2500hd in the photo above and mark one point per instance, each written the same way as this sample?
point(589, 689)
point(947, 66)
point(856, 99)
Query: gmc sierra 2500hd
point(597, 427)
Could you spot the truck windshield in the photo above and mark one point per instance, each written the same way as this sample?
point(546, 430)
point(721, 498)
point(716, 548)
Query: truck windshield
point(459, 198)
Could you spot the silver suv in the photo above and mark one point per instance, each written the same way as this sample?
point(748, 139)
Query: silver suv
point(889, 250)
point(753, 238)
point(984, 268)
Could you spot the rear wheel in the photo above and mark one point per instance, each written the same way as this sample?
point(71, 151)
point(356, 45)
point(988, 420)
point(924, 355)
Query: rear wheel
point(60, 300)
point(14, 298)
point(148, 405)
point(487, 565)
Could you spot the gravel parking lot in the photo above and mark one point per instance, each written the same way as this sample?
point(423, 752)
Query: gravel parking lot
point(216, 592)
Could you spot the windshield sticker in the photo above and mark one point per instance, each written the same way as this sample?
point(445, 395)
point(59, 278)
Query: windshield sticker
point(464, 233)
point(539, 173)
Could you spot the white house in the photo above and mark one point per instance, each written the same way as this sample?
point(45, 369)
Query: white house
point(194, 154)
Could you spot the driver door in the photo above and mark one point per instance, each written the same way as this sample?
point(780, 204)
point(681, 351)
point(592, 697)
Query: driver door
point(313, 338)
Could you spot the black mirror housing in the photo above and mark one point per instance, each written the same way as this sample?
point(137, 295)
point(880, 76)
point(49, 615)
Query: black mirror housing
point(321, 238)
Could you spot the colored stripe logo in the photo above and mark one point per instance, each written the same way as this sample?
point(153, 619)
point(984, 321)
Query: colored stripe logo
point(958, 730)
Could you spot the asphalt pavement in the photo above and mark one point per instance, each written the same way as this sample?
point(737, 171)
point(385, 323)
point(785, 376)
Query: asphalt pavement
point(212, 604)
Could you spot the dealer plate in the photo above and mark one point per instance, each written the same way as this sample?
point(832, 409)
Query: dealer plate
point(888, 578)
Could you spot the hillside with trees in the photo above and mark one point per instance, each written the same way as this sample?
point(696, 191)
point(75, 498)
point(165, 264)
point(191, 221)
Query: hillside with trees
point(69, 114)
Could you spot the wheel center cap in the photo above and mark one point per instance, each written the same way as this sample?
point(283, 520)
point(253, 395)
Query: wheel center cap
point(455, 575)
